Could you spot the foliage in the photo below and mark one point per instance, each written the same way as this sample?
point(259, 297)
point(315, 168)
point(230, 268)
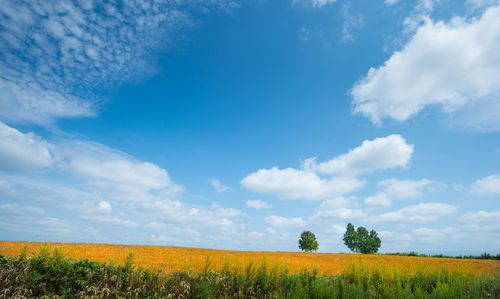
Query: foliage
point(361, 240)
point(483, 256)
point(53, 275)
point(307, 242)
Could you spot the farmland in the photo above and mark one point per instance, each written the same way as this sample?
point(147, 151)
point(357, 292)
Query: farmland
point(174, 259)
point(115, 271)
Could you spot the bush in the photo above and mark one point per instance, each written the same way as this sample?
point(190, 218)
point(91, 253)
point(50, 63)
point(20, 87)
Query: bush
point(54, 275)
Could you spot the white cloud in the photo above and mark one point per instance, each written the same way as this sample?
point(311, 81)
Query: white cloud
point(22, 152)
point(424, 212)
point(283, 222)
point(482, 221)
point(83, 183)
point(219, 187)
point(104, 206)
point(108, 169)
point(256, 235)
point(432, 234)
point(258, 204)
point(339, 213)
point(270, 230)
point(419, 15)
point(58, 55)
point(455, 65)
point(380, 199)
point(291, 183)
point(351, 23)
point(22, 210)
point(336, 208)
point(489, 185)
point(314, 3)
point(225, 212)
point(378, 154)
point(482, 3)
point(403, 189)
point(400, 189)
point(482, 226)
point(110, 220)
point(391, 2)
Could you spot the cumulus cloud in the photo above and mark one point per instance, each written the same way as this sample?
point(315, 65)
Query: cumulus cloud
point(108, 169)
point(455, 65)
point(400, 189)
point(489, 185)
point(258, 204)
point(424, 212)
point(380, 199)
point(23, 152)
point(283, 222)
point(290, 183)
point(218, 186)
point(58, 55)
point(377, 154)
point(306, 183)
point(481, 221)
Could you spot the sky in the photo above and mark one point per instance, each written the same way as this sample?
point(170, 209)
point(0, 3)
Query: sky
point(232, 124)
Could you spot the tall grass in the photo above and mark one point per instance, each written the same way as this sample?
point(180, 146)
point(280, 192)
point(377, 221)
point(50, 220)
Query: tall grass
point(49, 273)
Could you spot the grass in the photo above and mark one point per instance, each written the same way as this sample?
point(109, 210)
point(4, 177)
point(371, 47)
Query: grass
point(50, 273)
point(177, 259)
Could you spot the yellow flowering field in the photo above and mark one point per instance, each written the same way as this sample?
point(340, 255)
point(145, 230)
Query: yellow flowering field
point(171, 259)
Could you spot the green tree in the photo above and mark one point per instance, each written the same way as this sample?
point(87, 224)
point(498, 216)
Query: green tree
point(360, 240)
point(351, 238)
point(307, 242)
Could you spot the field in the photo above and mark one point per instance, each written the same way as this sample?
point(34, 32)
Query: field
point(175, 259)
point(118, 271)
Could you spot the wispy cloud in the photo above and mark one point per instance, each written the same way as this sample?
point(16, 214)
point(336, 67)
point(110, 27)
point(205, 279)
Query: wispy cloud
point(218, 186)
point(57, 56)
point(351, 22)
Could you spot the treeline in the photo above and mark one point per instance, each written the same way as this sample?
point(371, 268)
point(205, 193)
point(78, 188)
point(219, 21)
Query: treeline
point(53, 275)
point(484, 256)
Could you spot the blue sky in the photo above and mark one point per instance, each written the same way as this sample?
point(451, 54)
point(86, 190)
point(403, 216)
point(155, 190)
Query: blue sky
point(239, 124)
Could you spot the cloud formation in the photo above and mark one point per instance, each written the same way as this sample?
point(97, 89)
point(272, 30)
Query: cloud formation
point(23, 152)
point(377, 154)
point(314, 3)
point(218, 186)
point(258, 204)
point(400, 189)
point(489, 185)
point(290, 183)
point(57, 56)
point(306, 183)
point(283, 222)
point(424, 212)
point(454, 65)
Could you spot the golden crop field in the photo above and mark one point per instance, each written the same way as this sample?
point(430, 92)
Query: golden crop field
point(171, 259)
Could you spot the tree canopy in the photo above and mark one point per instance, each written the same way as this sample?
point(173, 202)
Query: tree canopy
point(307, 242)
point(360, 240)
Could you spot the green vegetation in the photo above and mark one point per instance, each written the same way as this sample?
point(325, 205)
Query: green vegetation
point(307, 242)
point(484, 256)
point(360, 240)
point(47, 274)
